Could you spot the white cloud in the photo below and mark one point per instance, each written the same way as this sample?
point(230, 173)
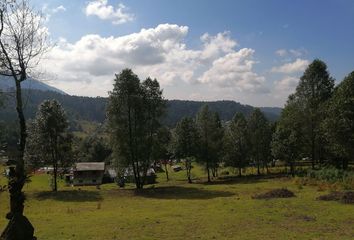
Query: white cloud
point(235, 70)
point(297, 66)
point(291, 52)
point(104, 11)
point(287, 84)
point(158, 52)
point(281, 52)
point(60, 8)
point(48, 12)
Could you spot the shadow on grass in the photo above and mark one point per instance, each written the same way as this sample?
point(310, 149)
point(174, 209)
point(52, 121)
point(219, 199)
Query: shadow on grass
point(70, 196)
point(179, 192)
point(248, 179)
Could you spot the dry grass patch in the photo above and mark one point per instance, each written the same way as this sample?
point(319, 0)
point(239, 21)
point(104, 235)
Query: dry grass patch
point(275, 193)
point(343, 197)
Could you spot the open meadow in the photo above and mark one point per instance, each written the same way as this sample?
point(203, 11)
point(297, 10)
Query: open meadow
point(178, 210)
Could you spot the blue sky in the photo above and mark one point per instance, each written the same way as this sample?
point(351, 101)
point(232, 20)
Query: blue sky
point(249, 51)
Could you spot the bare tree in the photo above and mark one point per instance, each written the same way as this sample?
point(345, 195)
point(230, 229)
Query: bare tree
point(23, 40)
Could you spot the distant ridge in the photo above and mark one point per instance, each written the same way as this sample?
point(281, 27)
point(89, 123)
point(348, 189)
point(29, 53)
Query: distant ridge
point(94, 109)
point(7, 84)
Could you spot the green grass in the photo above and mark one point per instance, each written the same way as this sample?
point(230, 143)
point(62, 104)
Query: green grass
point(178, 210)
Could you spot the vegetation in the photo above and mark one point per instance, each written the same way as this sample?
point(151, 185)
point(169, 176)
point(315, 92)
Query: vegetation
point(134, 113)
point(338, 126)
point(93, 109)
point(22, 42)
point(210, 140)
point(49, 142)
point(176, 210)
point(314, 90)
point(260, 139)
point(185, 143)
point(237, 143)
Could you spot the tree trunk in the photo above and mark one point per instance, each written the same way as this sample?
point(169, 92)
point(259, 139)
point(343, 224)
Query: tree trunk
point(55, 173)
point(345, 163)
point(208, 170)
point(239, 171)
point(17, 179)
point(19, 227)
point(166, 171)
point(292, 169)
point(313, 148)
point(189, 175)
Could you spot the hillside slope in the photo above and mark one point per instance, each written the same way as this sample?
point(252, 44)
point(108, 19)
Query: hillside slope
point(94, 109)
point(7, 84)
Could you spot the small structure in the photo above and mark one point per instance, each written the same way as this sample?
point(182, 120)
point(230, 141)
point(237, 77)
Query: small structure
point(88, 173)
point(177, 168)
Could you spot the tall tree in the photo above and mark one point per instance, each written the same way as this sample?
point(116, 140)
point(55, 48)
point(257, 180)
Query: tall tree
point(217, 144)
point(49, 141)
point(339, 124)
point(210, 139)
point(287, 142)
point(185, 143)
point(134, 113)
point(236, 143)
point(260, 138)
point(314, 89)
point(22, 42)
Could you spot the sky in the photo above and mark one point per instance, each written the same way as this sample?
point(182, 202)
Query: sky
point(253, 51)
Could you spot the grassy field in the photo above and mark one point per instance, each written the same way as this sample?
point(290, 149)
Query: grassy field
point(177, 210)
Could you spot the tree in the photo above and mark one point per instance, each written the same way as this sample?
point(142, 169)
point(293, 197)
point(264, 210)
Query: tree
point(210, 141)
point(22, 42)
point(260, 138)
point(339, 124)
point(287, 140)
point(94, 149)
point(185, 143)
point(161, 144)
point(134, 112)
point(314, 89)
point(236, 143)
point(49, 141)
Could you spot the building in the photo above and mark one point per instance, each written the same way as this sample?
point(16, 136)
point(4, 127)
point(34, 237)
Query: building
point(88, 173)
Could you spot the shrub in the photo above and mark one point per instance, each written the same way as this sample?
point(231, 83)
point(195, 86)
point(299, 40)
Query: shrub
point(333, 176)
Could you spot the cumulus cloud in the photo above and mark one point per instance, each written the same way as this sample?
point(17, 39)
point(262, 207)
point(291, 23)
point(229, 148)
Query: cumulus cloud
point(158, 52)
point(297, 66)
point(101, 9)
point(287, 84)
point(235, 70)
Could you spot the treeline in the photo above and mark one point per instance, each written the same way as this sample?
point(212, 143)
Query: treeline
point(317, 122)
point(93, 109)
point(139, 139)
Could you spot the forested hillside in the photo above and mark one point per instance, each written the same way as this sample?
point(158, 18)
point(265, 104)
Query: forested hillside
point(94, 109)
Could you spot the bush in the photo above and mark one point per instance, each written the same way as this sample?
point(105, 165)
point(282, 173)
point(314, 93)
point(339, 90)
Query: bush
point(333, 176)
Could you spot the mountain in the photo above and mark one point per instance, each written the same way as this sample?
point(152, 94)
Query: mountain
point(7, 84)
point(94, 109)
point(226, 109)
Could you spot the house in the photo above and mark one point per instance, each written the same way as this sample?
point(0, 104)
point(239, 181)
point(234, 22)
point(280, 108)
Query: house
point(88, 173)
